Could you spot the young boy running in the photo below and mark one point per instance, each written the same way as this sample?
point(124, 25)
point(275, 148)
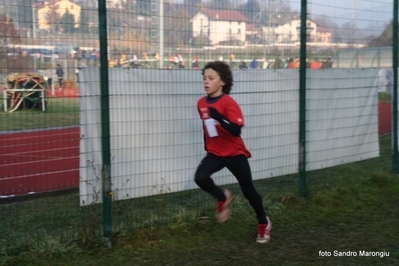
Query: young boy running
point(222, 122)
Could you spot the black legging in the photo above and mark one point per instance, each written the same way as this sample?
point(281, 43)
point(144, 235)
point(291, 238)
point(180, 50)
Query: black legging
point(49, 83)
point(239, 167)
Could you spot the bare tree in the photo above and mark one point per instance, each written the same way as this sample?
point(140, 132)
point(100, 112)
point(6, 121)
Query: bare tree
point(351, 34)
point(53, 19)
point(177, 27)
point(8, 33)
point(11, 60)
point(385, 38)
point(219, 4)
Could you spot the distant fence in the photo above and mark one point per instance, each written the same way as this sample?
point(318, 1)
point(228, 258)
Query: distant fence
point(379, 57)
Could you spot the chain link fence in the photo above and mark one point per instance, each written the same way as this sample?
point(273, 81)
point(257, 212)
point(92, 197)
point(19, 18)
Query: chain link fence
point(137, 125)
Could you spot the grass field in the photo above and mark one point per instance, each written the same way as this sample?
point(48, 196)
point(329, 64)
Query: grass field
point(60, 112)
point(352, 207)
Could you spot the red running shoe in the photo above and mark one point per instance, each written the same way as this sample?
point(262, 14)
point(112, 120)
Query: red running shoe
point(223, 210)
point(265, 231)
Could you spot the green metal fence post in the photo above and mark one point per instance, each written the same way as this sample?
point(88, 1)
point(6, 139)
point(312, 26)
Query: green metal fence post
point(302, 103)
point(395, 86)
point(105, 123)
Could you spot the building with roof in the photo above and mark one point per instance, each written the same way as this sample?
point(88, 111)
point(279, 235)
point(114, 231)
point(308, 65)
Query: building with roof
point(61, 7)
point(290, 32)
point(323, 35)
point(220, 26)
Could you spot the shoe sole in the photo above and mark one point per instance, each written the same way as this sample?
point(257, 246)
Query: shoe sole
point(263, 242)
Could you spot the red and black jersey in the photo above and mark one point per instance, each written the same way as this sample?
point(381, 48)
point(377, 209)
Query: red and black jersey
point(225, 144)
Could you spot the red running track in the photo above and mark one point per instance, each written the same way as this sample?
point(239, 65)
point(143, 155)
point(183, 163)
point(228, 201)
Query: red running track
point(38, 161)
point(384, 118)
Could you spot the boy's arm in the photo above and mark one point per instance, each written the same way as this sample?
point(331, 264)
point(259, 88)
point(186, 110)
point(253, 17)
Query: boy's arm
point(233, 128)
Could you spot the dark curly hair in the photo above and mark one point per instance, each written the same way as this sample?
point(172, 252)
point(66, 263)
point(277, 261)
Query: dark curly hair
point(224, 72)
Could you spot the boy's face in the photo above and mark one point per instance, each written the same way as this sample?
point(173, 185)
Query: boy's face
point(212, 83)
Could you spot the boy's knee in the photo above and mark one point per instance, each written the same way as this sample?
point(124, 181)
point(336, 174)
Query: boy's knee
point(200, 178)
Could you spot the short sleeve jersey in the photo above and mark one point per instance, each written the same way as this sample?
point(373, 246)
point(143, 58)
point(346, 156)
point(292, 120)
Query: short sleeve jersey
point(225, 144)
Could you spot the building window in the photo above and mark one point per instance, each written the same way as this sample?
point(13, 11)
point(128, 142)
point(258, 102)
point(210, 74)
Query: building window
point(239, 31)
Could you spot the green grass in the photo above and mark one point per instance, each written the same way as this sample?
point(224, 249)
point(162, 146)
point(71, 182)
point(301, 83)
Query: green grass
point(60, 112)
point(385, 97)
point(350, 207)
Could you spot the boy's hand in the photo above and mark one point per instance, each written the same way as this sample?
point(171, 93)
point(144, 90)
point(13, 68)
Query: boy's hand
point(215, 114)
